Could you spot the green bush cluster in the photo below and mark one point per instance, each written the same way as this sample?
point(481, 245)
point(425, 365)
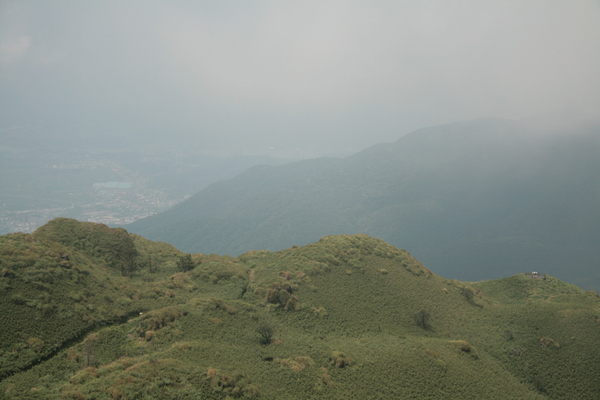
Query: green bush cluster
point(282, 294)
point(115, 247)
point(266, 331)
point(235, 384)
point(157, 319)
point(339, 360)
point(465, 347)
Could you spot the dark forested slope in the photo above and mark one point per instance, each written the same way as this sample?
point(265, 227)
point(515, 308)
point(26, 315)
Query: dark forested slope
point(473, 200)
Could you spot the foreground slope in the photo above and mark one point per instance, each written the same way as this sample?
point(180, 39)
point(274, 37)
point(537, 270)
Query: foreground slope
point(346, 317)
point(473, 200)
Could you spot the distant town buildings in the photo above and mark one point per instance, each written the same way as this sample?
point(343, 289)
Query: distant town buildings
point(111, 203)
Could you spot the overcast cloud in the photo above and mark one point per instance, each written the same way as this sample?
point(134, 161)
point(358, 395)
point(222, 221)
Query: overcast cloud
point(318, 75)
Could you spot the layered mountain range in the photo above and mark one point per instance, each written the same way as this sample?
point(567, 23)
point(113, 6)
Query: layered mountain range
point(472, 200)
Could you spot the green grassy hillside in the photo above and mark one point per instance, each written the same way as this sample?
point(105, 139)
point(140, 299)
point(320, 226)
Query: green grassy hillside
point(473, 200)
point(347, 317)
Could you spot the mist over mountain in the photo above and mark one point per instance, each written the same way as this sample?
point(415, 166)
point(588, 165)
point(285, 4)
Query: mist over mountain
point(112, 111)
point(304, 78)
point(112, 181)
point(473, 200)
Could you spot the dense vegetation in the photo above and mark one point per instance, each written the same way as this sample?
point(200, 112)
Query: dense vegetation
point(347, 317)
point(475, 200)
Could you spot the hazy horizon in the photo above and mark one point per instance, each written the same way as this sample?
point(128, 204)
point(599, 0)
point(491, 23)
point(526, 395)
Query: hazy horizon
point(303, 79)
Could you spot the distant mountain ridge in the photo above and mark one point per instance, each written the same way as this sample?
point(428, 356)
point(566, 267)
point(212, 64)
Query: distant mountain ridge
point(472, 200)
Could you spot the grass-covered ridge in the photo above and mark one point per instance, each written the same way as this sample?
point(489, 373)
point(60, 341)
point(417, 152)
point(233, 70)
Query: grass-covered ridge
point(346, 317)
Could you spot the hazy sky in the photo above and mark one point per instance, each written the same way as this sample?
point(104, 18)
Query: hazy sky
point(313, 75)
